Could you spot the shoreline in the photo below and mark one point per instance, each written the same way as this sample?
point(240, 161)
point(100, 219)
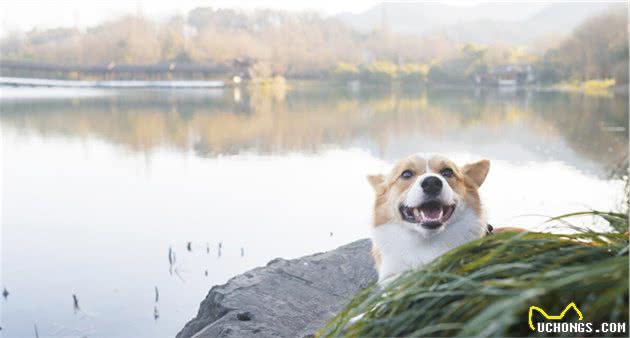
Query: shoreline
point(356, 86)
point(114, 84)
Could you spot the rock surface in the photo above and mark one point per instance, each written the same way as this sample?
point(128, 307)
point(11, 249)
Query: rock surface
point(286, 298)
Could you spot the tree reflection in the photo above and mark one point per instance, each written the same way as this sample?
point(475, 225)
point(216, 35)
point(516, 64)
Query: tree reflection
point(315, 117)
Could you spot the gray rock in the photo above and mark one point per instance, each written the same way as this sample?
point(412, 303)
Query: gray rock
point(286, 298)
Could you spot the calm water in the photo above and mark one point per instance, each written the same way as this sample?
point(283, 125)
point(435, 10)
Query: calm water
point(97, 186)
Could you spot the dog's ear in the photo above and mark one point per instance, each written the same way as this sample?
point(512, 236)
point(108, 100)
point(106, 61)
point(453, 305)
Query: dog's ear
point(477, 171)
point(376, 181)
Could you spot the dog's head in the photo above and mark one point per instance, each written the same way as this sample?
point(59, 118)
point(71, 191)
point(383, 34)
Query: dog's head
point(427, 193)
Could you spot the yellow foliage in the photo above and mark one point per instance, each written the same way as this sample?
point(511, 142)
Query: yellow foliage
point(596, 87)
point(272, 87)
point(598, 84)
point(346, 68)
point(383, 67)
point(414, 68)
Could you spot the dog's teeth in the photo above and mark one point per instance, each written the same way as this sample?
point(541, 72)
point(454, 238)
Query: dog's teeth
point(416, 213)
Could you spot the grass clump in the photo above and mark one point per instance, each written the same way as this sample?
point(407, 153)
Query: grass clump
point(485, 288)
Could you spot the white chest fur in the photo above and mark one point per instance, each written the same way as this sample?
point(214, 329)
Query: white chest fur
point(402, 248)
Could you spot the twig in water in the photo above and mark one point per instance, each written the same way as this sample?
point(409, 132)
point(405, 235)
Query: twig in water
point(189, 246)
point(178, 275)
point(207, 248)
point(219, 252)
point(5, 293)
point(171, 256)
point(242, 252)
point(157, 294)
point(75, 303)
point(171, 260)
point(156, 314)
point(206, 273)
point(36, 332)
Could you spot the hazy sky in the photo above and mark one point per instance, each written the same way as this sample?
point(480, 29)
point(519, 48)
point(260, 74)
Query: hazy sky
point(25, 15)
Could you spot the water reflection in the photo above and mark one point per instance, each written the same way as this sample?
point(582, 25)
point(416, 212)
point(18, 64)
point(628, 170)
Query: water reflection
point(313, 119)
point(133, 204)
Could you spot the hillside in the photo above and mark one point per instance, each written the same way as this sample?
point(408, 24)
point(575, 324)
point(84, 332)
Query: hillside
point(513, 23)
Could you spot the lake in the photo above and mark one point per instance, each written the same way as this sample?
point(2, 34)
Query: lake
point(99, 186)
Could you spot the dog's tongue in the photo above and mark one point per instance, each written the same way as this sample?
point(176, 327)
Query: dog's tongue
point(432, 212)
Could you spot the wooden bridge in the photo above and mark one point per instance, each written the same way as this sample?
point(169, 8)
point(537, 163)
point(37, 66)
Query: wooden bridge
point(114, 71)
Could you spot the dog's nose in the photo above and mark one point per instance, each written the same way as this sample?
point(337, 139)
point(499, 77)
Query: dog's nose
point(431, 185)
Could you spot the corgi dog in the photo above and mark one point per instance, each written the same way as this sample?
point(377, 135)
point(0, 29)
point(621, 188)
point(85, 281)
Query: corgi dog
point(425, 206)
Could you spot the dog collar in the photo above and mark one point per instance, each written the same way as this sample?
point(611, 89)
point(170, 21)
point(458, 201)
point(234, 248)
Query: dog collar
point(489, 229)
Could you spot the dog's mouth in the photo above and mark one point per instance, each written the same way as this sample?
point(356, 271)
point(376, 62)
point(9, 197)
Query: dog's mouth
point(430, 215)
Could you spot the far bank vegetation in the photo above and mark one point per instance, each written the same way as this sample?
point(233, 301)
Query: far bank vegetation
point(309, 46)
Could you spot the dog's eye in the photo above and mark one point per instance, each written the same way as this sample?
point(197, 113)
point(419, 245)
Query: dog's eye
point(407, 174)
point(447, 172)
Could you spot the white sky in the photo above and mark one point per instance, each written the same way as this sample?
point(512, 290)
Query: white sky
point(28, 14)
point(25, 15)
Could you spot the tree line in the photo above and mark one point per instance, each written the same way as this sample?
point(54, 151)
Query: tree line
point(307, 45)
